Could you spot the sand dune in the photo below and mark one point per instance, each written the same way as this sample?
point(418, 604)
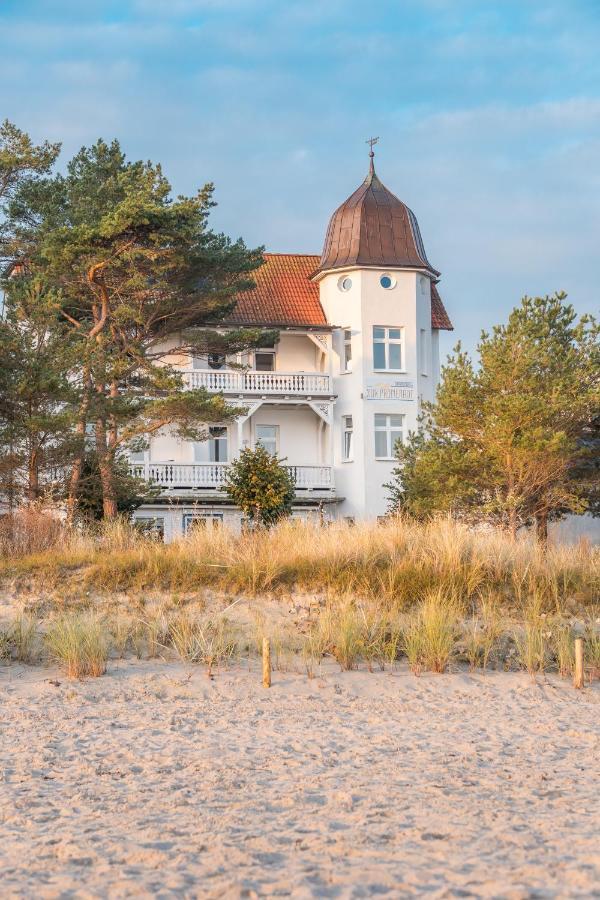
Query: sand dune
point(155, 781)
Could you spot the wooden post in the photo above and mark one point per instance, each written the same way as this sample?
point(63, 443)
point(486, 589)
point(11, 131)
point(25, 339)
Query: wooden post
point(578, 678)
point(266, 662)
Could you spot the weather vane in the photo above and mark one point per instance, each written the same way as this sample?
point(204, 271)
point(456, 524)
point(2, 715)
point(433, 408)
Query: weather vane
point(371, 142)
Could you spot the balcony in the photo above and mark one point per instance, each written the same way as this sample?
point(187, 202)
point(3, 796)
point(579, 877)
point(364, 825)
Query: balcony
point(210, 476)
point(283, 384)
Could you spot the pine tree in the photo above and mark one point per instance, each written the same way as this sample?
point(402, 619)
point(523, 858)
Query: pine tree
point(20, 160)
point(138, 272)
point(37, 399)
point(504, 441)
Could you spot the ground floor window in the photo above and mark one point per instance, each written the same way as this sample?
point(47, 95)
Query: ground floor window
point(151, 526)
point(192, 521)
point(388, 430)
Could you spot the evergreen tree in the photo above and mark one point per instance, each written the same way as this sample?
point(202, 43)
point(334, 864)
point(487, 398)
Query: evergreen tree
point(37, 399)
point(130, 492)
point(20, 160)
point(261, 486)
point(137, 272)
point(504, 442)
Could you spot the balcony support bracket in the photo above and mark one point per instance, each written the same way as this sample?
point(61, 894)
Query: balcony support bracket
point(323, 410)
point(250, 410)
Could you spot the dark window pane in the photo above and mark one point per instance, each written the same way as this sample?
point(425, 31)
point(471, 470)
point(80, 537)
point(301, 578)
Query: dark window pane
point(264, 362)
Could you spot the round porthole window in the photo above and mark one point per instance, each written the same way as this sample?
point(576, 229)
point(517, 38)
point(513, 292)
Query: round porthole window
point(345, 283)
point(386, 281)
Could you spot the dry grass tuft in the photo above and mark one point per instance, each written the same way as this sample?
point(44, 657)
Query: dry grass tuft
point(79, 643)
point(207, 641)
point(431, 633)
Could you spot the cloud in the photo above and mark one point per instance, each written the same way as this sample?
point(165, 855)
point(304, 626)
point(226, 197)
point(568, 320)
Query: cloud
point(487, 114)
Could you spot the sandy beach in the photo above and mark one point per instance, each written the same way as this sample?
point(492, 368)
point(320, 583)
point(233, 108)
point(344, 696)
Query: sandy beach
point(156, 781)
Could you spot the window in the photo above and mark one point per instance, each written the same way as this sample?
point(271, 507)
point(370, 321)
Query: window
point(266, 435)
point(345, 283)
point(388, 350)
point(348, 441)
point(423, 350)
point(150, 526)
point(192, 521)
point(137, 456)
point(215, 448)
point(217, 444)
point(264, 361)
point(387, 282)
point(216, 360)
point(388, 430)
point(347, 351)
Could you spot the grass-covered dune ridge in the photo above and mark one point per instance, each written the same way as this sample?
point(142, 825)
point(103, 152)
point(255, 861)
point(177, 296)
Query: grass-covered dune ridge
point(396, 563)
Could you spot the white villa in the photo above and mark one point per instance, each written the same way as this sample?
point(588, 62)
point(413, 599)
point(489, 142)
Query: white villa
point(357, 354)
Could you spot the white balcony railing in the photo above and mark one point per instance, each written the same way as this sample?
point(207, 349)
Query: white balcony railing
point(285, 383)
point(212, 475)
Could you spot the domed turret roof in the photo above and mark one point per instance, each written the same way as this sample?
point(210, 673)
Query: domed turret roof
point(374, 228)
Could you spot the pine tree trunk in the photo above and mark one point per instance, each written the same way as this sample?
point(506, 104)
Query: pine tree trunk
point(512, 523)
point(76, 470)
point(105, 466)
point(541, 527)
point(77, 467)
point(33, 476)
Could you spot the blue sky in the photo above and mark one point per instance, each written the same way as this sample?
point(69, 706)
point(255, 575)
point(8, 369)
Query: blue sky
point(488, 115)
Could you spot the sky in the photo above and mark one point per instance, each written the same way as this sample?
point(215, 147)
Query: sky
point(488, 115)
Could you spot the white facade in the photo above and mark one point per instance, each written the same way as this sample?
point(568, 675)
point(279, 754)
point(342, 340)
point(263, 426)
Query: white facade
point(376, 392)
point(330, 398)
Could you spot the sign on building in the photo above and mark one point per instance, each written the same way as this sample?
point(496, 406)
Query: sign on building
point(375, 389)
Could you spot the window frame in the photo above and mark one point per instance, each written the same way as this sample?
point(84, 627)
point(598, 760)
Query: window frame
point(346, 367)
point(190, 520)
point(266, 352)
point(198, 445)
point(257, 440)
point(388, 429)
point(386, 341)
point(347, 439)
point(215, 440)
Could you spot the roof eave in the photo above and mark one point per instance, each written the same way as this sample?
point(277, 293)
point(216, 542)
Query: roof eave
point(352, 267)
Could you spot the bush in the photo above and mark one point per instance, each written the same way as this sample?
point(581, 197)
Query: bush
point(261, 486)
point(29, 530)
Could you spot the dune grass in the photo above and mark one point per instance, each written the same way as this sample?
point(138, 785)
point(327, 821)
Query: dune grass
point(395, 564)
point(433, 594)
point(79, 643)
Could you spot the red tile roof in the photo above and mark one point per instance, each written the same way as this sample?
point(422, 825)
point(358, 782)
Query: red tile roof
point(285, 295)
point(439, 317)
